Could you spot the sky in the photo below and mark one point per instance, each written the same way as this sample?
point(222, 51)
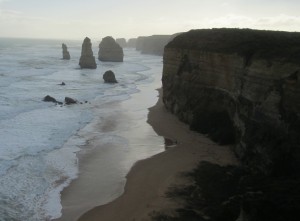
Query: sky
point(76, 19)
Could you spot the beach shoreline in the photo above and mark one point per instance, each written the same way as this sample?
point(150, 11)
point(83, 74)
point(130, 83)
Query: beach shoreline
point(117, 137)
point(149, 179)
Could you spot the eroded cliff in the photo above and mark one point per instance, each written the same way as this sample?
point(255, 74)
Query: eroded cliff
point(152, 44)
point(239, 86)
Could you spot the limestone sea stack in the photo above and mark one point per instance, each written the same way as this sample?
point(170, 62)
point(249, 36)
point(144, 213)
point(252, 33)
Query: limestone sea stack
point(87, 60)
point(65, 52)
point(109, 50)
point(109, 77)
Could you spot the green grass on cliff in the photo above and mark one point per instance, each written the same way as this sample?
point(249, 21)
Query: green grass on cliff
point(245, 42)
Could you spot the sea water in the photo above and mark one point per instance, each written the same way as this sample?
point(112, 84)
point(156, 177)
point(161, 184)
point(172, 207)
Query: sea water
point(38, 142)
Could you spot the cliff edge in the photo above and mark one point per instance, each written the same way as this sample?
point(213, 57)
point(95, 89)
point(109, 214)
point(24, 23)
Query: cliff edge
point(239, 86)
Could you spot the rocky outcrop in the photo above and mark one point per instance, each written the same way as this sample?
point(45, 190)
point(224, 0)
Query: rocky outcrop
point(109, 50)
point(131, 43)
point(65, 52)
point(69, 100)
point(239, 86)
point(48, 98)
point(109, 77)
point(87, 60)
point(122, 42)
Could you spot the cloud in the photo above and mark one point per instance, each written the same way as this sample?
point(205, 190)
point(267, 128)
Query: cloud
point(281, 22)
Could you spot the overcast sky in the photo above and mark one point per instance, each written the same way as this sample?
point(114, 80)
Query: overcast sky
point(75, 19)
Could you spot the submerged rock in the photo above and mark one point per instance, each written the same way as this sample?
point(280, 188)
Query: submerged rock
point(109, 77)
point(87, 60)
point(65, 52)
point(109, 50)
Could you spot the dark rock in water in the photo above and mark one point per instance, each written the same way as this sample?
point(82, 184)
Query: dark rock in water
point(87, 60)
point(49, 99)
point(66, 54)
point(109, 50)
point(122, 42)
point(69, 100)
point(109, 77)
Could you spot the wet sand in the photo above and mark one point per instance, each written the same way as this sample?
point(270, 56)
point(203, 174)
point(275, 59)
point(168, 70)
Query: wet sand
point(149, 179)
point(118, 137)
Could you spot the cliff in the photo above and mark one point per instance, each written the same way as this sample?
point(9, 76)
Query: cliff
point(87, 59)
point(240, 87)
point(131, 43)
point(152, 44)
point(122, 42)
point(109, 50)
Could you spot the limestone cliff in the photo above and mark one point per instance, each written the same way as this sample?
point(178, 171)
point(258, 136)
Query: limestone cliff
point(122, 42)
point(131, 43)
point(109, 50)
point(239, 86)
point(152, 44)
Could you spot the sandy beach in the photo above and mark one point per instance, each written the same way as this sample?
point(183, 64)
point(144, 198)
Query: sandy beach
point(149, 179)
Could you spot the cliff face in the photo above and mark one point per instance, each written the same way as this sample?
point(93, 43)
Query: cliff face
point(122, 42)
point(152, 44)
point(241, 87)
point(131, 43)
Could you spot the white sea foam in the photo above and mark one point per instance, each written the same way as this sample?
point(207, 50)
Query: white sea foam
point(39, 140)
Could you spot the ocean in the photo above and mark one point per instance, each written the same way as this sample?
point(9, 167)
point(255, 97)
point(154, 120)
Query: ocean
point(40, 141)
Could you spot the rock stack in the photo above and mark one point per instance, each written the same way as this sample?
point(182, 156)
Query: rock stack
point(87, 60)
point(109, 77)
point(109, 50)
point(66, 54)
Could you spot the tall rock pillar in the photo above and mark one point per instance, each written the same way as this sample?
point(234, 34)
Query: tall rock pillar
point(66, 54)
point(87, 60)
